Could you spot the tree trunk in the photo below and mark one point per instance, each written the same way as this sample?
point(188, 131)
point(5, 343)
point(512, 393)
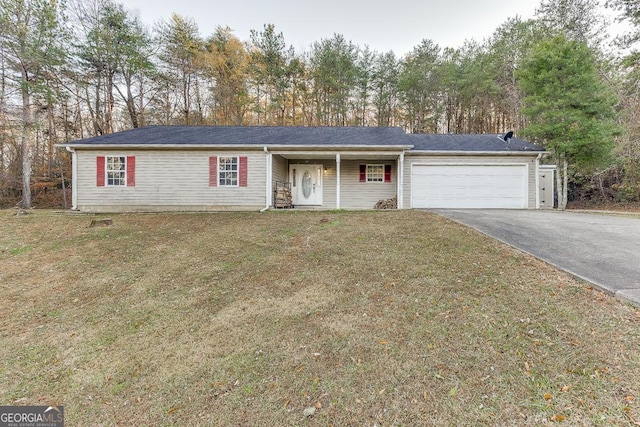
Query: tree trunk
point(562, 180)
point(129, 100)
point(110, 101)
point(27, 122)
point(565, 184)
point(26, 169)
point(51, 141)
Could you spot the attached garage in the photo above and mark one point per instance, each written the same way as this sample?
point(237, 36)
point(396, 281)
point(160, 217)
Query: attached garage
point(464, 186)
point(462, 171)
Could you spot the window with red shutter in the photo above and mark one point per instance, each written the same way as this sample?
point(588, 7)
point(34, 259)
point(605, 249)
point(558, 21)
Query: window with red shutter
point(387, 173)
point(363, 173)
point(228, 171)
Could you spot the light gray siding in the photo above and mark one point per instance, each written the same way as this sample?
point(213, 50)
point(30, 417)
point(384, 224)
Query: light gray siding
point(364, 195)
point(530, 160)
point(329, 183)
point(169, 180)
point(279, 173)
point(179, 180)
point(279, 169)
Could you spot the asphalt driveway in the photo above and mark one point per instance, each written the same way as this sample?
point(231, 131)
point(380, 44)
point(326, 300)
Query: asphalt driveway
point(601, 249)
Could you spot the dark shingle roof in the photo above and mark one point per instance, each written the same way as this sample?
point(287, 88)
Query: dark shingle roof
point(253, 135)
point(305, 137)
point(469, 142)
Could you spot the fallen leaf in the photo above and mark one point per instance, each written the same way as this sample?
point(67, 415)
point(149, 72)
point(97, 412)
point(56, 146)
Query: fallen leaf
point(629, 398)
point(383, 342)
point(547, 396)
point(172, 410)
point(557, 418)
point(318, 405)
point(565, 388)
point(286, 403)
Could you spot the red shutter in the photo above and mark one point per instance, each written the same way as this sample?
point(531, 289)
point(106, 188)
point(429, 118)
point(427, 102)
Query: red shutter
point(131, 171)
point(363, 173)
point(213, 171)
point(242, 172)
point(100, 171)
point(387, 173)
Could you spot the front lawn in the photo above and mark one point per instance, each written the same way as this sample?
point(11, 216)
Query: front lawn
point(370, 318)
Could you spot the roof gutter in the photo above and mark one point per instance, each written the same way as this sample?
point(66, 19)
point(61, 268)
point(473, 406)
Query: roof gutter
point(473, 153)
point(233, 146)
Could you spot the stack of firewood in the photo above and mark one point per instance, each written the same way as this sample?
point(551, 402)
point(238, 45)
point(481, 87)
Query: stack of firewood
point(283, 197)
point(387, 204)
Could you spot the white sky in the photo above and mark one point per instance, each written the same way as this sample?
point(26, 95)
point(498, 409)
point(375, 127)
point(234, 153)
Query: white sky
point(384, 25)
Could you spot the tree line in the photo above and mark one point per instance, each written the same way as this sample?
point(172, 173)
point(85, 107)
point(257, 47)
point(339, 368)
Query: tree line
point(91, 67)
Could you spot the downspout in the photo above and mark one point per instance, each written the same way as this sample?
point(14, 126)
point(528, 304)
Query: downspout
point(74, 178)
point(338, 173)
point(538, 180)
point(267, 180)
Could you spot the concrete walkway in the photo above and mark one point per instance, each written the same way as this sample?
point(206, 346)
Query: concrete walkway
point(601, 249)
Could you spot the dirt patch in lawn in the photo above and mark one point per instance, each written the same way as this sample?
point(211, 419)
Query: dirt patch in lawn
point(370, 318)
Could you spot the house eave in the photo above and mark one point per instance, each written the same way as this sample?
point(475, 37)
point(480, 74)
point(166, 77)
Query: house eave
point(327, 147)
point(472, 153)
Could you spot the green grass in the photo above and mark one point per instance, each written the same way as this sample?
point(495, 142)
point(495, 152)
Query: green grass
point(387, 318)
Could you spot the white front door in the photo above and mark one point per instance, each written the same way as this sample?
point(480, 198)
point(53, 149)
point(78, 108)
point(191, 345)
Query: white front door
point(306, 184)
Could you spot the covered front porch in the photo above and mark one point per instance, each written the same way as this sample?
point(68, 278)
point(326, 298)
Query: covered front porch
point(337, 180)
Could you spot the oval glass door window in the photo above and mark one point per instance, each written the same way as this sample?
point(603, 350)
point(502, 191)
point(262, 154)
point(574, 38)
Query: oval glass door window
point(306, 184)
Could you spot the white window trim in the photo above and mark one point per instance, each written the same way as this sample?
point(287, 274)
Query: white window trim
point(377, 165)
point(106, 171)
point(237, 171)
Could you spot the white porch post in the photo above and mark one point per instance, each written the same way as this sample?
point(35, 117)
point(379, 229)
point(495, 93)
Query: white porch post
point(401, 181)
point(337, 181)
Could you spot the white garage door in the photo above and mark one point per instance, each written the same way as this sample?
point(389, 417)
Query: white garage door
point(469, 186)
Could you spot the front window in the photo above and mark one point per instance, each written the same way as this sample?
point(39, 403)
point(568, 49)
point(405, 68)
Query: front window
point(375, 173)
point(228, 171)
point(116, 171)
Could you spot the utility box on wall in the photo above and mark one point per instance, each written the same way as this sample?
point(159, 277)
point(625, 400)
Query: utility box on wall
point(546, 186)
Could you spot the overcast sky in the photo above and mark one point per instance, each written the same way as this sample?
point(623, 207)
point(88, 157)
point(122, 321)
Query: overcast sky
point(384, 25)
